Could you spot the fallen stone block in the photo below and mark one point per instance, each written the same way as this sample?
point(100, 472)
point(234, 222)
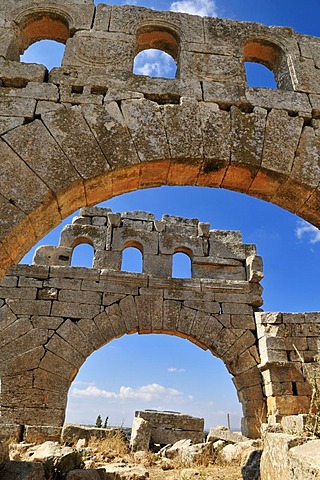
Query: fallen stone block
point(275, 462)
point(140, 435)
point(223, 433)
point(305, 461)
point(235, 453)
point(119, 471)
point(56, 458)
point(84, 475)
point(72, 432)
point(22, 471)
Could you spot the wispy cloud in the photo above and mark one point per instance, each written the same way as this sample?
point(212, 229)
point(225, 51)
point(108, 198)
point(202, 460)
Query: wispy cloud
point(305, 230)
point(155, 64)
point(150, 392)
point(176, 370)
point(204, 8)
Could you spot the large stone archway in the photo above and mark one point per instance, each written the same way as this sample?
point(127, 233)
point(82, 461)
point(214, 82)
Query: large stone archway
point(54, 316)
point(92, 129)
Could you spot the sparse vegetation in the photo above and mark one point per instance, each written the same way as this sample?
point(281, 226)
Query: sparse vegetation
point(99, 422)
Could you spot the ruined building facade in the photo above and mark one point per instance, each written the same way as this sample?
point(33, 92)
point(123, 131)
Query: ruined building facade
point(92, 129)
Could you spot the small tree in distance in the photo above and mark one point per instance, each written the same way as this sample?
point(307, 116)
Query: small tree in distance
point(99, 422)
point(106, 422)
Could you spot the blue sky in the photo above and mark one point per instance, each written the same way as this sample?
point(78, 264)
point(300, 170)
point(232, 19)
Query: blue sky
point(156, 371)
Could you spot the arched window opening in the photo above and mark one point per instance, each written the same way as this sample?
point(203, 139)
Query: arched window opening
point(45, 52)
point(181, 265)
point(259, 76)
point(272, 57)
point(82, 255)
point(156, 53)
point(132, 260)
point(155, 63)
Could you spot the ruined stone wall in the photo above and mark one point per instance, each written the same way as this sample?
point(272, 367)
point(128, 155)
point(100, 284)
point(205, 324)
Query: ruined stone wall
point(289, 349)
point(217, 254)
point(53, 317)
point(205, 127)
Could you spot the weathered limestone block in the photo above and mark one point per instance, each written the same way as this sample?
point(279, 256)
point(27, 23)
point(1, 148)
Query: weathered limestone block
point(71, 433)
point(185, 142)
point(279, 99)
point(49, 162)
point(9, 123)
point(72, 133)
point(224, 94)
point(56, 457)
point(95, 236)
point(124, 236)
point(60, 347)
point(8, 42)
point(306, 167)
point(275, 462)
point(140, 435)
point(26, 470)
point(160, 266)
point(122, 471)
point(145, 123)
point(113, 51)
point(166, 436)
point(210, 267)
point(169, 243)
point(280, 148)
point(223, 433)
point(70, 332)
point(295, 424)
point(102, 17)
point(46, 255)
point(110, 129)
point(128, 19)
point(40, 434)
point(129, 313)
point(17, 75)
point(17, 107)
point(171, 420)
point(149, 311)
point(37, 91)
point(248, 136)
point(305, 461)
point(235, 453)
point(211, 67)
point(216, 131)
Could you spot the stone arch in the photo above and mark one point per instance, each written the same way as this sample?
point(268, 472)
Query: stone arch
point(54, 316)
point(170, 145)
point(52, 348)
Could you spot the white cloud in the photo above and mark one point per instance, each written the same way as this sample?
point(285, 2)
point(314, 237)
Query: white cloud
point(176, 370)
point(154, 63)
point(304, 229)
point(150, 392)
point(204, 8)
point(78, 382)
